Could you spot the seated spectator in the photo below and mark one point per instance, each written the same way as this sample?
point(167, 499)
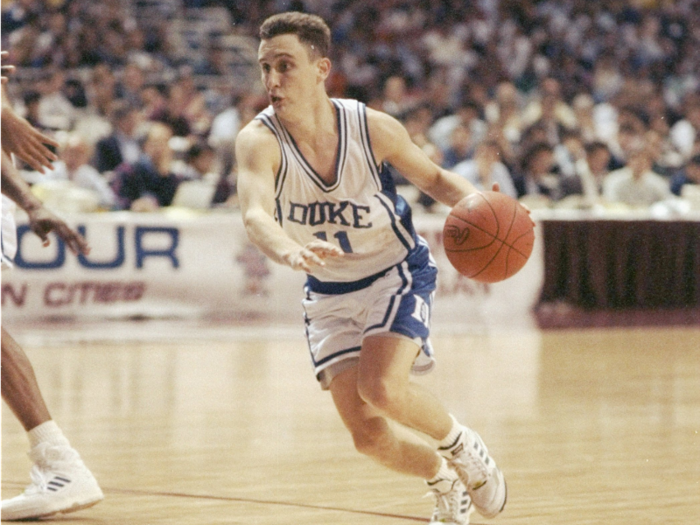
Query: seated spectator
point(468, 113)
point(485, 169)
point(74, 167)
point(199, 161)
point(535, 177)
point(461, 146)
point(636, 184)
point(150, 182)
point(55, 110)
point(121, 145)
point(590, 173)
point(690, 174)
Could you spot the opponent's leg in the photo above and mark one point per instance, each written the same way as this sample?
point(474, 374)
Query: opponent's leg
point(19, 386)
point(60, 480)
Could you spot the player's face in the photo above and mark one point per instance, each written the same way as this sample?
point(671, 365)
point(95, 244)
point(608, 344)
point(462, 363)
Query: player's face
point(290, 75)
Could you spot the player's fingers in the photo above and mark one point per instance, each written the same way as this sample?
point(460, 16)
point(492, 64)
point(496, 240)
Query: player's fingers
point(326, 250)
point(76, 242)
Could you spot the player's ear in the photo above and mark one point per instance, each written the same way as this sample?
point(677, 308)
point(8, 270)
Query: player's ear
point(324, 68)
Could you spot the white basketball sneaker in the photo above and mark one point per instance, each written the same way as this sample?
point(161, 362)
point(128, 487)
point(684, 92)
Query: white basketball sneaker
point(61, 483)
point(452, 502)
point(478, 471)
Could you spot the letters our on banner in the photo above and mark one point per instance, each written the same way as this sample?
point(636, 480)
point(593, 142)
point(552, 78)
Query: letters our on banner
point(167, 265)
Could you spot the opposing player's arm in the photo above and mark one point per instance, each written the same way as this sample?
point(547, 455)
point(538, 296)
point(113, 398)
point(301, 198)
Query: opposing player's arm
point(22, 139)
point(41, 220)
point(392, 143)
point(258, 157)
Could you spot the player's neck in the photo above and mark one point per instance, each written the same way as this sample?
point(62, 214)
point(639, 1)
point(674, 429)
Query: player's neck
point(314, 118)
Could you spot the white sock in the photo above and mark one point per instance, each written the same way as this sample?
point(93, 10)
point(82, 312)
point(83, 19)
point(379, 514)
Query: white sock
point(47, 432)
point(444, 473)
point(452, 437)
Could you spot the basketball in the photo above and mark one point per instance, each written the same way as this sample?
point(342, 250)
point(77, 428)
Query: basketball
point(488, 236)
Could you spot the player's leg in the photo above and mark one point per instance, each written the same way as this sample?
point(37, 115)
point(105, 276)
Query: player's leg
point(19, 386)
point(395, 447)
point(384, 382)
point(375, 436)
point(60, 480)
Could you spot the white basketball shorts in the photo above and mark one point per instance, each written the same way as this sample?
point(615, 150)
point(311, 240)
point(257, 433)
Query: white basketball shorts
point(396, 302)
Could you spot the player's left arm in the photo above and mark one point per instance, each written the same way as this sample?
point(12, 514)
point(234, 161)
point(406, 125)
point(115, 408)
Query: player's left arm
point(41, 220)
point(391, 143)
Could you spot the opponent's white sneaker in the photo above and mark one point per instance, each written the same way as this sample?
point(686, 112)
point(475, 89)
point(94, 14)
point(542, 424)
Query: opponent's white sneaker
point(61, 483)
point(478, 471)
point(452, 502)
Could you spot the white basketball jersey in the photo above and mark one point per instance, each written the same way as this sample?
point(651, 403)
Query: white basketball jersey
point(8, 233)
point(360, 211)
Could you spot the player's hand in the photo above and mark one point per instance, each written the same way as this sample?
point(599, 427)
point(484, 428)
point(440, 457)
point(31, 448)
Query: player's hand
point(42, 222)
point(30, 145)
point(312, 255)
point(6, 70)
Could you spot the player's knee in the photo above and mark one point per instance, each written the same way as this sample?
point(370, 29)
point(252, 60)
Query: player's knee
point(382, 393)
point(373, 437)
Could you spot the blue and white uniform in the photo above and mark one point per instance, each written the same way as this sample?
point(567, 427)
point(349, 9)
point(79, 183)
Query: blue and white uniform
point(385, 281)
point(8, 233)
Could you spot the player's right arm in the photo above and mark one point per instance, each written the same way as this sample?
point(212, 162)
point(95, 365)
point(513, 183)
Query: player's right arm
point(258, 157)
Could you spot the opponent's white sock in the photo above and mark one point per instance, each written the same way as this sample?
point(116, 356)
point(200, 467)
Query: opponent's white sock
point(47, 432)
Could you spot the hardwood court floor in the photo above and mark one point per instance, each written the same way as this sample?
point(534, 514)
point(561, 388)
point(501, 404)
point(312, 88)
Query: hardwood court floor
point(229, 427)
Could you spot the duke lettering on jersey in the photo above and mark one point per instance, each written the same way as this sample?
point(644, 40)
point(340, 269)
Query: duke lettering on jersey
point(343, 213)
point(359, 211)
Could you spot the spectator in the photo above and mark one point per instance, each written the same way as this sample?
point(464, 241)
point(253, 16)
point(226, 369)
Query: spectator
point(199, 162)
point(690, 174)
point(461, 146)
point(150, 182)
point(485, 169)
point(55, 110)
point(468, 113)
point(535, 178)
point(121, 145)
point(686, 131)
point(636, 185)
point(587, 180)
point(74, 167)
point(223, 133)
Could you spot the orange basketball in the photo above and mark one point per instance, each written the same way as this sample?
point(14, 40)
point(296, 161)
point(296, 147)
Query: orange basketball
point(488, 236)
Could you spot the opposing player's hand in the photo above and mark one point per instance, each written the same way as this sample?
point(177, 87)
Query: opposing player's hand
point(30, 145)
point(42, 222)
point(5, 69)
point(312, 255)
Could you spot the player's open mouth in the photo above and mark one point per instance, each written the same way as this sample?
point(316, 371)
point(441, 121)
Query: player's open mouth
point(274, 99)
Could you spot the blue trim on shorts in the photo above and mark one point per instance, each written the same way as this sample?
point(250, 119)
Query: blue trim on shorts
point(337, 354)
point(337, 288)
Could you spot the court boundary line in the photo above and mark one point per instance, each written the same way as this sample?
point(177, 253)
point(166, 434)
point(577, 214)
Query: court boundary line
point(210, 497)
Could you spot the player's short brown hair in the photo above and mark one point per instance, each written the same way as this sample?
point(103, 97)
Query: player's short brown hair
point(311, 30)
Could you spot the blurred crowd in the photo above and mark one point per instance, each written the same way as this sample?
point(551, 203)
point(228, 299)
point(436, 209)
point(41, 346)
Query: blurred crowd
point(564, 103)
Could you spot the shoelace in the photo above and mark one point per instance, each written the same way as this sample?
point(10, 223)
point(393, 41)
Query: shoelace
point(447, 505)
point(46, 458)
point(39, 484)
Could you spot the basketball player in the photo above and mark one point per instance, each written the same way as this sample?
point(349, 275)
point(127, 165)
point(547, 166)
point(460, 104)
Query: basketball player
point(60, 480)
point(316, 195)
